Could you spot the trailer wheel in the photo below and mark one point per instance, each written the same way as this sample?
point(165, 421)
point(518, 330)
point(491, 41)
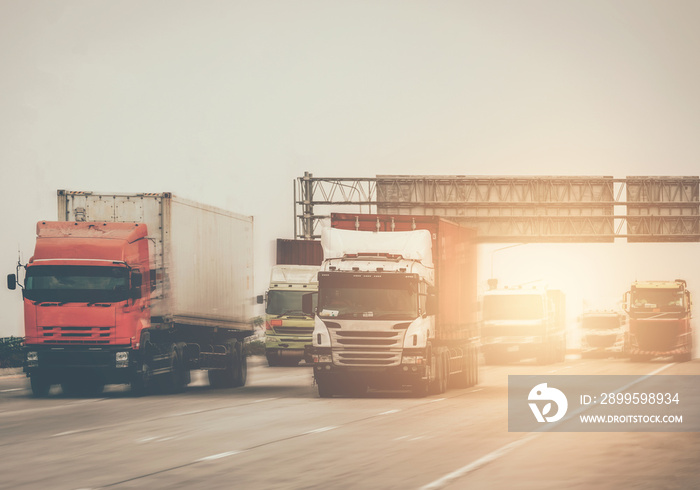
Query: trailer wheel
point(240, 362)
point(40, 385)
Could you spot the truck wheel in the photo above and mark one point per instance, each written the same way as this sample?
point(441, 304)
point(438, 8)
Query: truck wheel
point(438, 385)
point(142, 382)
point(40, 385)
point(241, 371)
point(174, 381)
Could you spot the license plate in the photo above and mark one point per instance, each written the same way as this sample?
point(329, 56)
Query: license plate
point(513, 348)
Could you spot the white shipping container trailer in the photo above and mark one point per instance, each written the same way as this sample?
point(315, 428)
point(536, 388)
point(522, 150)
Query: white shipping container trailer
point(202, 255)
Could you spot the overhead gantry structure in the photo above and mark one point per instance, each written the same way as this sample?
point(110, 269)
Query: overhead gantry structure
point(510, 209)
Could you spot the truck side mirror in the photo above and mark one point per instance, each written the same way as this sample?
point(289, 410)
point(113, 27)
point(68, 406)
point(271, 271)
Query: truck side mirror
point(260, 299)
point(11, 281)
point(626, 302)
point(307, 303)
point(431, 302)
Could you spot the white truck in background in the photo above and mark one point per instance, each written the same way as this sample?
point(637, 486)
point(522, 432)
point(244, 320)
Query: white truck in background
point(603, 333)
point(520, 323)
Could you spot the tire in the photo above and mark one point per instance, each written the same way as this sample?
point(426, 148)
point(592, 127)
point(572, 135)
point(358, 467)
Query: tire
point(175, 380)
point(241, 372)
point(40, 385)
point(438, 385)
point(142, 382)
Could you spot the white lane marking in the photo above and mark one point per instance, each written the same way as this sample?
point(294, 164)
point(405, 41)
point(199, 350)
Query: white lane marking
point(475, 465)
point(322, 429)
point(389, 412)
point(68, 432)
point(502, 451)
point(218, 456)
point(11, 389)
point(399, 438)
point(265, 400)
point(437, 400)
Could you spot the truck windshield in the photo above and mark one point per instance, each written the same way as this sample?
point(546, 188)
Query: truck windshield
point(286, 302)
point(513, 307)
point(76, 283)
point(657, 299)
point(600, 322)
point(368, 296)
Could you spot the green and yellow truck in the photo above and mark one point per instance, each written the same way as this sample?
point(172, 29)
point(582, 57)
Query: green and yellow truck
point(287, 328)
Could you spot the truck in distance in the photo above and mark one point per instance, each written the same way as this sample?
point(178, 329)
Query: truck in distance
point(660, 315)
point(603, 333)
point(287, 328)
point(137, 289)
point(396, 307)
point(521, 323)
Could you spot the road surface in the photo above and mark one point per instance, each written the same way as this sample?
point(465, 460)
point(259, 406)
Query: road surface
point(277, 433)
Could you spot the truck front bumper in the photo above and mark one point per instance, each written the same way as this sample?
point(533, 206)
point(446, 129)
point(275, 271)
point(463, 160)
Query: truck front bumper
point(113, 364)
point(411, 370)
point(287, 345)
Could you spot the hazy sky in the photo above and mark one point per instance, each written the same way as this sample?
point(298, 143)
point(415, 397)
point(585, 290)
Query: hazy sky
point(226, 102)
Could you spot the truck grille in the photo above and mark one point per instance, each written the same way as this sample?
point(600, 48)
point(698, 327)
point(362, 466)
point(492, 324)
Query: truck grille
point(77, 335)
point(366, 348)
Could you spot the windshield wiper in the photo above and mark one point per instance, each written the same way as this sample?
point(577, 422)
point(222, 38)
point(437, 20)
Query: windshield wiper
point(52, 303)
point(289, 312)
point(103, 305)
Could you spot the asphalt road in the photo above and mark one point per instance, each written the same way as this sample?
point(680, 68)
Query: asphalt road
point(277, 433)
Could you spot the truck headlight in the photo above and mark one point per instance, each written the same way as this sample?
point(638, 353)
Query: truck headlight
point(413, 360)
point(321, 358)
point(122, 359)
point(32, 358)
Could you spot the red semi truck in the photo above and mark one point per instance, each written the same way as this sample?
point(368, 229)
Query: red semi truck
point(137, 289)
point(660, 315)
point(397, 305)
